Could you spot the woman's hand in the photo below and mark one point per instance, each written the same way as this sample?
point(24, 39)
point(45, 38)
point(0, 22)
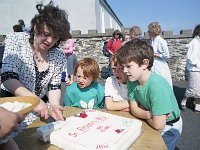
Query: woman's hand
point(42, 109)
point(56, 112)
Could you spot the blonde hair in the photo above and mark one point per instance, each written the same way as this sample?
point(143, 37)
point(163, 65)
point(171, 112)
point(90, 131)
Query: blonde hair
point(90, 68)
point(154, 28)
point(135, 32)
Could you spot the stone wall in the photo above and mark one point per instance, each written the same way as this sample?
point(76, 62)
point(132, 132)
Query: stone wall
point(90, 45)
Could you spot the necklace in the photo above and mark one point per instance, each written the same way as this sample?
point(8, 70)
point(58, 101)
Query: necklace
point(39, 58)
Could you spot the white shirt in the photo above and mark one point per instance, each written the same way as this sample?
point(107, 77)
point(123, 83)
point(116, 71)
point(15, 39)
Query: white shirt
point(193, 55)
point(118, 91)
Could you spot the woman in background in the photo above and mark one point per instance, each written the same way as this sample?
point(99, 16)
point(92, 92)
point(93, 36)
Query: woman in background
point(193, 67)
point(161, 52)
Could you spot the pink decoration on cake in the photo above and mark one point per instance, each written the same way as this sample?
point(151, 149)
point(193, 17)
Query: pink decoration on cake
point(83, 115)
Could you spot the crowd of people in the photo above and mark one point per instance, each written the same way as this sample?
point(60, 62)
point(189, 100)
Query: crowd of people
point(139, 80)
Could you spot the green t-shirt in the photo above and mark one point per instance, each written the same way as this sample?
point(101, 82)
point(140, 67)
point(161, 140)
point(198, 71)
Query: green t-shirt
point(156, 95)
point(88, 97)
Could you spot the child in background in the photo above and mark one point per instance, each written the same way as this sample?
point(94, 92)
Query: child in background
point(116, 93)
point(71, 58)
point(151, 97)
point(86, 92)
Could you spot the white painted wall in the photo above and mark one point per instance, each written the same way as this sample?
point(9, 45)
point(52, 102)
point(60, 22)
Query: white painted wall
point(84, 15)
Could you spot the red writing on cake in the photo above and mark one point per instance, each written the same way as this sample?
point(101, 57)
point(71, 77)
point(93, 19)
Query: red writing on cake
point(74, 134)
point(89, 125)
point(101, 118)
point(102, 146)
point(103, 128)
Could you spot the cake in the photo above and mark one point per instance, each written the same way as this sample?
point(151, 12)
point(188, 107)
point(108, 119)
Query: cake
point(94, 129)
point(15, 106)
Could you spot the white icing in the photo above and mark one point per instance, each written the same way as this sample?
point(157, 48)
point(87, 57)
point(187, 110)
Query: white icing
point(96, 131)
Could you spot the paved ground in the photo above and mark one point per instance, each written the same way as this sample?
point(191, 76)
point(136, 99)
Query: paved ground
point(190, 138)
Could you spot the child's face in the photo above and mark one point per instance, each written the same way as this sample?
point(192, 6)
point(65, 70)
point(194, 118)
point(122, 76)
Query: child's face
point(81, 79)
point(134, 71)
point(118, 73)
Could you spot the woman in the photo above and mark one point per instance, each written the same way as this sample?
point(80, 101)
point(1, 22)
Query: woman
point(115, 42)
point(113, 45)
point(161, 52)
point(32, 64)
point(193, 67)
point(135, 32)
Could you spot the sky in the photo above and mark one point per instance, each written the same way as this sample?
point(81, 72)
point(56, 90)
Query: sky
point(173, 15)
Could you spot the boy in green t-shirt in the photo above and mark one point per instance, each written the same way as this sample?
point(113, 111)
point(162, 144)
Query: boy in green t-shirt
point(151, 96)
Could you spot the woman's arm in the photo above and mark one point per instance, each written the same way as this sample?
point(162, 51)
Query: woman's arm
point(109, 45)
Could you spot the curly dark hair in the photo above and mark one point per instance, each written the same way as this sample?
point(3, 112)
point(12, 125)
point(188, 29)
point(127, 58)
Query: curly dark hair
point(54, 18)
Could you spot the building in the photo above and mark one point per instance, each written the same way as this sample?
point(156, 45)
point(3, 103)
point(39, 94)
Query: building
point(84, 15)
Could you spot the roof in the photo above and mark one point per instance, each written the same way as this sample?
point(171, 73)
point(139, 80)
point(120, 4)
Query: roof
point(107, 6)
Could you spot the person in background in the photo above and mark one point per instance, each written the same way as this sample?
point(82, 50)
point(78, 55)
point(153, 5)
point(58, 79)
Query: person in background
point(115, 42)
point(86, 92)
point(17, 28)
point(193, 67)
point(32, 63)
point(161, 52)
point(113, 45)
point(135, 32)
point(69, 48)
point(151, 97)
point(22, 24)
point(116, 93)
point(8, 123)
point(126, 39)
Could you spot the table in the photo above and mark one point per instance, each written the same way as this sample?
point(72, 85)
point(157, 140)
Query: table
point(150, 139)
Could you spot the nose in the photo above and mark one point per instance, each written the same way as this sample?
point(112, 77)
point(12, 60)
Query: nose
point(125, 70)
point(49, 39)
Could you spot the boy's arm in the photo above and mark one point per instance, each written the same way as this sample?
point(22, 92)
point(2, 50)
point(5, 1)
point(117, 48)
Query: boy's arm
point(158, 122)
point(139, 112)
point(111, 105)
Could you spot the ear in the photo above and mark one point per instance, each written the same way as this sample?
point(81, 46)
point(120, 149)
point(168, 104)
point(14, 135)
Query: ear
point(145, 64)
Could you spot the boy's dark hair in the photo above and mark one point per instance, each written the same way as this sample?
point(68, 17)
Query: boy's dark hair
point(54, 18)
point(17, 28)
point(135, 50)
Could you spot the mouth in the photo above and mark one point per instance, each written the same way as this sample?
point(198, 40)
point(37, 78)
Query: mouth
point(46, 45)
point(118, 78)
point(81, 84)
